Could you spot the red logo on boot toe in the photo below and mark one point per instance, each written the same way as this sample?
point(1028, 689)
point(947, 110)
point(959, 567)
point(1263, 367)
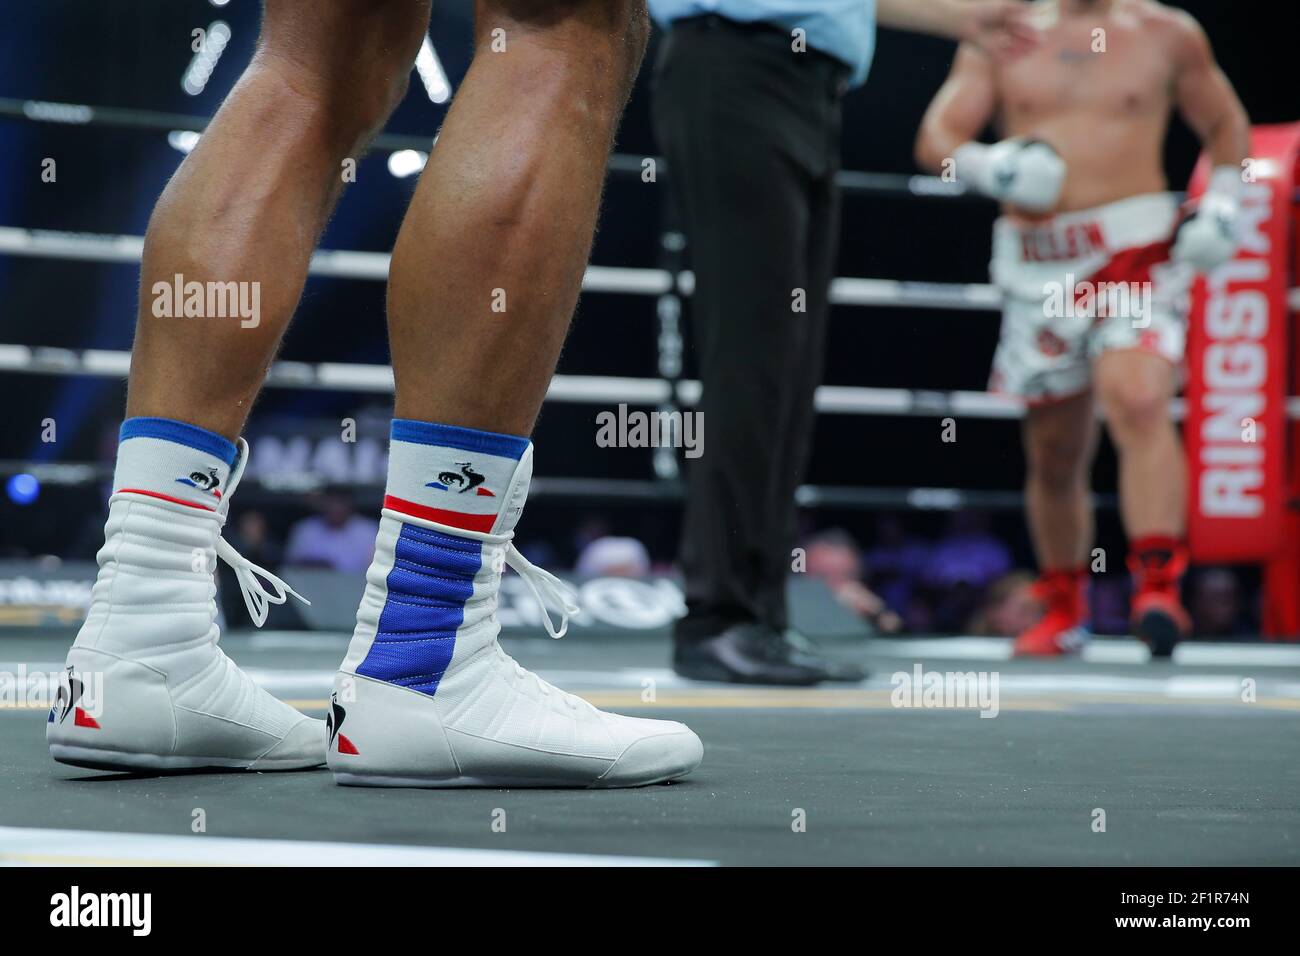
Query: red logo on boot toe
point(333, 721)
point(67, 702)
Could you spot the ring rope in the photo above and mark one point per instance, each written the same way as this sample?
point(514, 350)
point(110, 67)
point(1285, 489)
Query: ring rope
point(625, 280)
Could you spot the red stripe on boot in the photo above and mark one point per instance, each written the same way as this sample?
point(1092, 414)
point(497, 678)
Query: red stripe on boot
point(158, 494)
point(456, 519)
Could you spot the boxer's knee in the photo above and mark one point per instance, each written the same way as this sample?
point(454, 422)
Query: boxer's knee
point(1135, 406)
point(345, 64)
point(626, 17)
point(608, 37)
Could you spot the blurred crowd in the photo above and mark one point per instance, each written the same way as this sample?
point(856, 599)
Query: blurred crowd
point(965, 579)
point(902, 573)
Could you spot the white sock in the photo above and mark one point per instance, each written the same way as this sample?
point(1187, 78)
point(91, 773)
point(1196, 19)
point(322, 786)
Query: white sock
point(173, 461)
point(429, 586)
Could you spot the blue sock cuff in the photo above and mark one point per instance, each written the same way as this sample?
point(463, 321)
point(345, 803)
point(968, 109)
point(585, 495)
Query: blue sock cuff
point(453, 436)
point(181, 433)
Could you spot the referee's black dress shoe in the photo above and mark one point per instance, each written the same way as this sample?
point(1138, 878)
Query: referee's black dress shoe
point(745, 654)
point(805, 652)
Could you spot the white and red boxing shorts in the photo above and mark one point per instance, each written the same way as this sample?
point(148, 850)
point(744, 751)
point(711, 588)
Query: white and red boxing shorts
point(1084, 283)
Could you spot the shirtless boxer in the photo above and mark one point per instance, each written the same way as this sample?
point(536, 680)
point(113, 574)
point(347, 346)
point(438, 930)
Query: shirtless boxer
point(1094, 265)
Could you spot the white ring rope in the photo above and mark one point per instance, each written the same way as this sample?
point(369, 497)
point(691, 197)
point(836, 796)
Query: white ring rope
point(585, 389)
point(346, 264)
point(565, 389)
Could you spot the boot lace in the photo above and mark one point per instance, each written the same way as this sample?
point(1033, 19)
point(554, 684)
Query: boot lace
point(544, 585)
point(250, 576)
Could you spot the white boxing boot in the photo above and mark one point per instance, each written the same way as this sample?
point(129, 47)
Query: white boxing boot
point(426, 697)
point(146, 687)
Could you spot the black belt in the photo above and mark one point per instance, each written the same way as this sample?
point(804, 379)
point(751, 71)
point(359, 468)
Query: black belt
point(769, 35)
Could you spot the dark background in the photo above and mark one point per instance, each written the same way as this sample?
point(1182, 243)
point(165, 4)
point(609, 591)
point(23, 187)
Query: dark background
point(132, 54)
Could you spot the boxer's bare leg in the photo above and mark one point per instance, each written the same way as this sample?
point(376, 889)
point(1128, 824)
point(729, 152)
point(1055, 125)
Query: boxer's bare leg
point(249, 203)
point(1059, 440)
point(1134, 389)
point(489, 261)
point(245, 207)
point(503, 216)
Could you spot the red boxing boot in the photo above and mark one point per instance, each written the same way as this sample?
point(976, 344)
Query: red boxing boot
point(1157, 563)
point(1062, 628)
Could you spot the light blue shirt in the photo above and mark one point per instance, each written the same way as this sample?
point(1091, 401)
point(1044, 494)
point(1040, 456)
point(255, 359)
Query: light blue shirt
point(846, 29)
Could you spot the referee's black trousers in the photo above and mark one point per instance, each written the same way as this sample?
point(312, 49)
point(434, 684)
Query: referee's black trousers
point(751, 134)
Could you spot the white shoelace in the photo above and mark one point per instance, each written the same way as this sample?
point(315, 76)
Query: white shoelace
point(524, 674)
point(544, 584)
point(257, 598)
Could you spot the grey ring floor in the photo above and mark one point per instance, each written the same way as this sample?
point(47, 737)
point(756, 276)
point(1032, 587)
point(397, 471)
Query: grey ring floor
point(1185, 772)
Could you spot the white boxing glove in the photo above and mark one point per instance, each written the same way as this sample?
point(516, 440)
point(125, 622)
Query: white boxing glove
point(1022, 172)
point(1208, 237)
